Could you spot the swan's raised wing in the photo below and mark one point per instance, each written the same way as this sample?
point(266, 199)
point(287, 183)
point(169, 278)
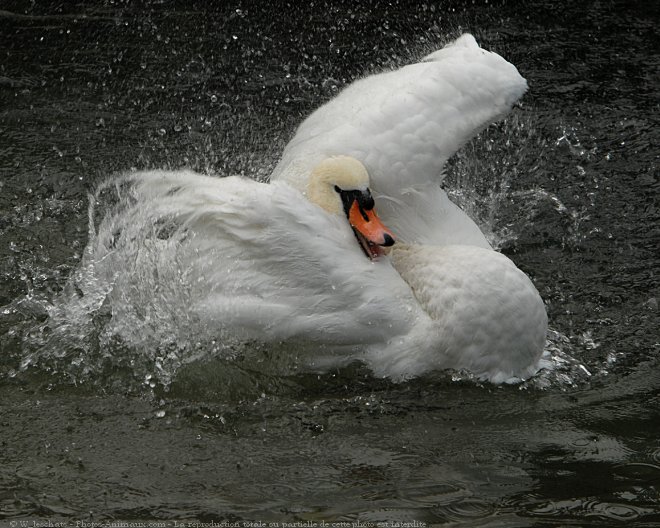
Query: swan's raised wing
point(233, 257)
point(404, 125)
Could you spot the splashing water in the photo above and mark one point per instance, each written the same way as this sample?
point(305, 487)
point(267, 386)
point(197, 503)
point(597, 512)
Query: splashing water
point(498, 180)
point(125, 308)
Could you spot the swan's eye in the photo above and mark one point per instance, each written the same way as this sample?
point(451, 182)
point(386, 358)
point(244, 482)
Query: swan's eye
point(337, 189)
point(366, 200)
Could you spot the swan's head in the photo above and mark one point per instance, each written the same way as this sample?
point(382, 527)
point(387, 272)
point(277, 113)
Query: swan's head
point(340, 185)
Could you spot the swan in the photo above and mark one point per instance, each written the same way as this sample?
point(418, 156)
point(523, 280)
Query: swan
point(352, 250)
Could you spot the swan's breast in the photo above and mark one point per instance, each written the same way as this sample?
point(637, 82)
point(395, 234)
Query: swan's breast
point(488, 314)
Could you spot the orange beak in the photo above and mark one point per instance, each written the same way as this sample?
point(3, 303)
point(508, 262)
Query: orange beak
point(370, 231)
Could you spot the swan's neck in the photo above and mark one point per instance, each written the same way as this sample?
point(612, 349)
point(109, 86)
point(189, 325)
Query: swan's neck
point(409, 262)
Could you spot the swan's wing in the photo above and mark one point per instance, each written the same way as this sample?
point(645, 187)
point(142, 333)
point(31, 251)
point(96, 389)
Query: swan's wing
point(247, 259)
point(404, 125)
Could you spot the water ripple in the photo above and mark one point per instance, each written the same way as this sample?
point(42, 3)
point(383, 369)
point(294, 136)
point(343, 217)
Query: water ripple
point(655, 455)
point(468, 508)
point(584, 508)
point(640, 470)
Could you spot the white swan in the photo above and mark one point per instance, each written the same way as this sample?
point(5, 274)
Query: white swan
point(285, 261)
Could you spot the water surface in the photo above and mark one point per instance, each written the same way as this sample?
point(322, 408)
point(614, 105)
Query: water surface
point(567, 187)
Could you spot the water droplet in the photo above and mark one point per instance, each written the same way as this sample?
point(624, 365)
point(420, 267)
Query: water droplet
point(585, 370)
point(214, 98)
point(160, 413)
point(651, 304)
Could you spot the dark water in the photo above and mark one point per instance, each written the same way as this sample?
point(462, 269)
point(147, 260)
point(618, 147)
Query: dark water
point(567, 187)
